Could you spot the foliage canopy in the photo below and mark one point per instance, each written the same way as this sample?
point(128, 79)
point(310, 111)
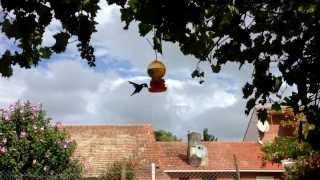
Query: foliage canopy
point(162, 135)
point(305, 161)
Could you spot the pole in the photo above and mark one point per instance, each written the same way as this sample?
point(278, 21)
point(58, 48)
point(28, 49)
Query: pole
point(236, 166)
point(153, 171)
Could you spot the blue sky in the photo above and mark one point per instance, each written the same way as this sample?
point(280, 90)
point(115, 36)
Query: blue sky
point(74, 93)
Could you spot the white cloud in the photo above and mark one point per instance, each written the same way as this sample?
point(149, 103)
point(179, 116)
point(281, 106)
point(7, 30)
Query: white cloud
point(107, 14)
point(10, 89)
point(189, 99)
point(73, 93)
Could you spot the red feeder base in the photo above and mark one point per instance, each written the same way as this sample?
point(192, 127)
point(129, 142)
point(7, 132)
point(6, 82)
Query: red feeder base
point(157, 86)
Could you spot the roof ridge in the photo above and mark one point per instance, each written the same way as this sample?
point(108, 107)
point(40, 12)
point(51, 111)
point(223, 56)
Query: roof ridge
point(106, 125)
point(211, 142)
point(229, 142)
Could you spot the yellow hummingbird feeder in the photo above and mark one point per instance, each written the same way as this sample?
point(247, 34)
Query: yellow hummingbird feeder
point(156, 71)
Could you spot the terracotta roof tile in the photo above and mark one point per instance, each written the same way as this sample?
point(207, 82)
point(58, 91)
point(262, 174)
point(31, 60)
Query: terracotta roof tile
point(220, 156)
point(102, 145)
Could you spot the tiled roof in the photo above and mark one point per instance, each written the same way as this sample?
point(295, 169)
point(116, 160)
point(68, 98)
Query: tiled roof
point(101, 145)
point(220, 156)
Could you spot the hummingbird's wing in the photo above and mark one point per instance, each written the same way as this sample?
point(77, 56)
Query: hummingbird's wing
point(134, 92)
point(137, 90)
point(134, 84)
point(138, 87)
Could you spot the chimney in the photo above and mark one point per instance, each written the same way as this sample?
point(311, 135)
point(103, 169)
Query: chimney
point(197, 152)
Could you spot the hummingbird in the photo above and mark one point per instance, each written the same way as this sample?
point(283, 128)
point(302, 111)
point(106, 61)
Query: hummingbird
point(138, 87)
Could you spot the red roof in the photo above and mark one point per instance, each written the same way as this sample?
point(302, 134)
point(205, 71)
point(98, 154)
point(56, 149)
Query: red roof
point(220, 157)
point(102, 145)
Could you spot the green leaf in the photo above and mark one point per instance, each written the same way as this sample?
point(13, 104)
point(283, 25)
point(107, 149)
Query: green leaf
point(6, 25)
point(45, 52)
point(144, 29)
point(276, 106)
point(216, 68)
point(195, 73)
point(201, 74)
point(5, 64)
point(61, 42)
point(277, 84)
point(9, 29)
point(133, 4)
point(233, 9)
point(311, 8)
point(263, 115)
point(247, 90)
point(250, 104)
point(157, 44)
point(45, 15)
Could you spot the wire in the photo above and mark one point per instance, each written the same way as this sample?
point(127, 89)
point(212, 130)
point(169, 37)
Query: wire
point(154, 35)
point(155, 52)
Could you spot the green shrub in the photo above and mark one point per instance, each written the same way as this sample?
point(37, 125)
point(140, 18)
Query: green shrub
point(31, 146)
point(306, 161)
point(286, 148)
point(115, 170)
point(163, 135)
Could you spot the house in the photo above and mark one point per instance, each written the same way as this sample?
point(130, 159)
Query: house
point(102, 145)
point(274, 129)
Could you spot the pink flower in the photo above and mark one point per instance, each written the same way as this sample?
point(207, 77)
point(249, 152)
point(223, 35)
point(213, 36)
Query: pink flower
point(23, 134)
point(2, 150)
point(86, 165)
point(11, 107)
point(65, 144)
point(35, 109)
point(59, 125)
point(6, 115)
